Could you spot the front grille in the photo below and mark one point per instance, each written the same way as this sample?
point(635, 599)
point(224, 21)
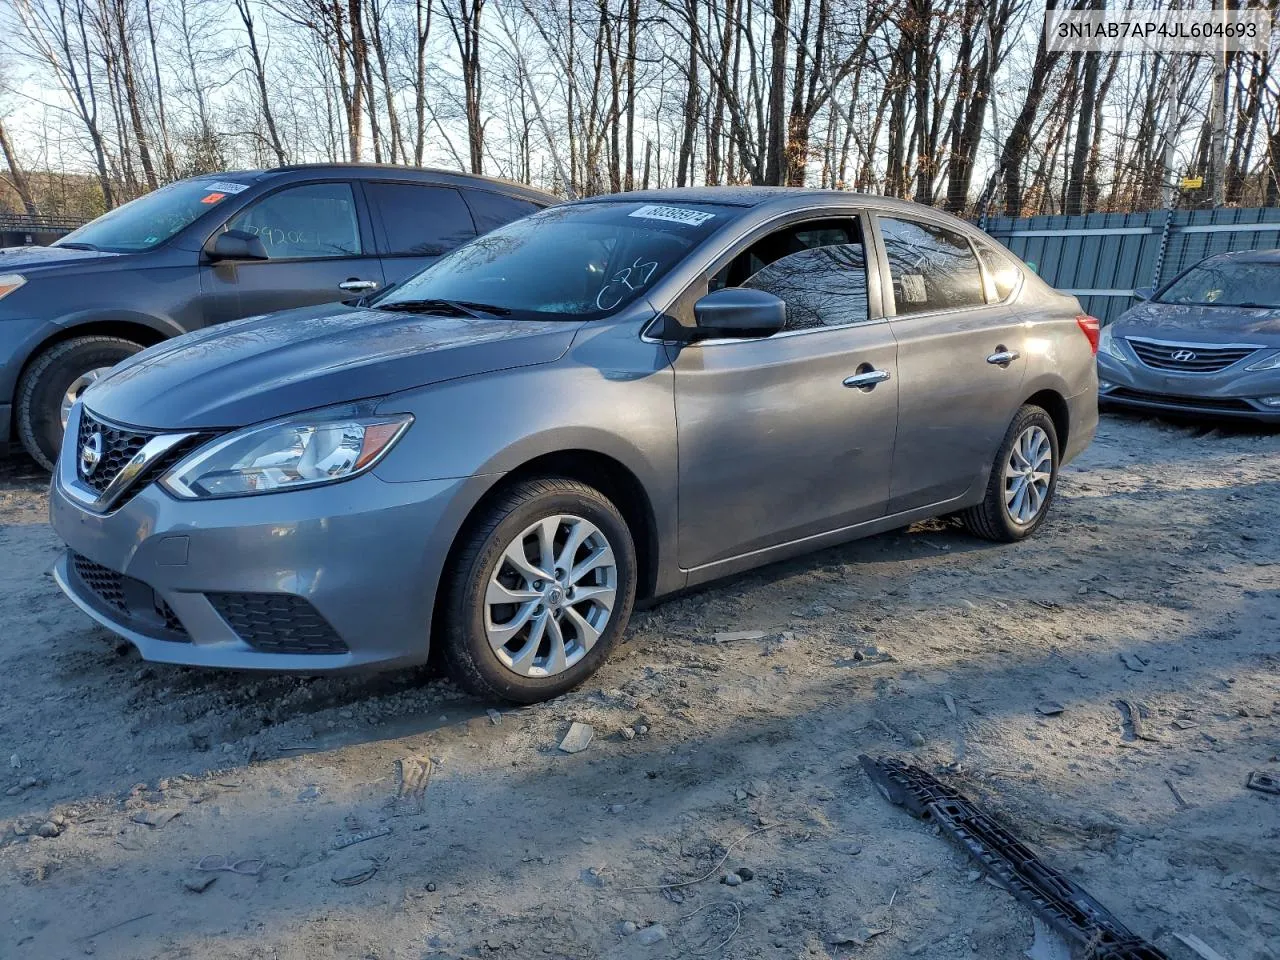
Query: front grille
point(136, 603)
point(1166, 400)
point(1187, 358)
point(119, 446)
point(277, 622)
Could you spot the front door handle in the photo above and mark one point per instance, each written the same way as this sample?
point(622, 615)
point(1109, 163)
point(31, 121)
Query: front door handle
point(867, 379)
point(358, 286)
point(1003, 357)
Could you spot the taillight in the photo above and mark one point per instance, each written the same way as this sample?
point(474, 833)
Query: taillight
point(1092, 329)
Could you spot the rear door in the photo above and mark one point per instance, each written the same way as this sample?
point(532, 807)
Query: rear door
point(416, 224)
point(776, 441)
point(961, 359)
point(320, 249)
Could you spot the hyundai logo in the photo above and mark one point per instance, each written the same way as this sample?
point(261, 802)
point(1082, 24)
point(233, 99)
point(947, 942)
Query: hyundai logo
point(91, 454)
point(1183, 356)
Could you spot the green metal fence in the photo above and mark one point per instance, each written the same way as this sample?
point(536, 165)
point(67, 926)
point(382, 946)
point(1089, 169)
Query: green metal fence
point(1103, 257)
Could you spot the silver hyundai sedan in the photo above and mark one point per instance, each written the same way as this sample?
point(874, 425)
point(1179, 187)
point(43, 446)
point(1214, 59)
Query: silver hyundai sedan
point(601, 404)
point(1208, 342)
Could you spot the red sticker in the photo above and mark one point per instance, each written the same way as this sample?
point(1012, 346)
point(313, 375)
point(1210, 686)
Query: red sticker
point(214, 198)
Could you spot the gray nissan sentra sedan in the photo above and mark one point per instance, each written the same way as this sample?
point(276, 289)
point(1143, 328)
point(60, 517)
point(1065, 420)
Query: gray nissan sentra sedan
point(598, 405)
point(1208, 342)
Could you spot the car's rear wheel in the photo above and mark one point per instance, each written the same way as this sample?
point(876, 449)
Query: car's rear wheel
point(539, 590)
point(1023, 480)
point(54, 381)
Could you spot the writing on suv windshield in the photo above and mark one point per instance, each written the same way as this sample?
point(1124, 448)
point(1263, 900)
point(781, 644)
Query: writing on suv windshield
point(1227, 283)
point(153, 218)
point(582, 261)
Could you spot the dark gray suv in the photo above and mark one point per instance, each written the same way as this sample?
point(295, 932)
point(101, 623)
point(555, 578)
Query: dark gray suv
point(217, 248)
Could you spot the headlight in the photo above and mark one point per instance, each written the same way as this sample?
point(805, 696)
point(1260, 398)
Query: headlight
point(301, 451)
point(1270, 363)
point(1107, 344)
point(10, 282)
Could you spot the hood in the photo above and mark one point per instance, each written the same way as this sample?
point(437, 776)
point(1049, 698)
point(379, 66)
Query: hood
point(271, 366)
point(1212, 323)
point(13, 259)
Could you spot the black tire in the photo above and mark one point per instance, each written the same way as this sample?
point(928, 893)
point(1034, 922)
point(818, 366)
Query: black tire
point(46, 381)
point(990, 519)
point(472, 663)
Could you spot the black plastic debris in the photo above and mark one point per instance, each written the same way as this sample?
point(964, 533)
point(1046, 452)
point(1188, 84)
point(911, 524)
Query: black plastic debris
point(1263, 782)
point(1057, 900)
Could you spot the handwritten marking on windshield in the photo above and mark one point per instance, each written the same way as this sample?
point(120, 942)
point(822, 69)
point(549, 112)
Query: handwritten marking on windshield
point(630, 278)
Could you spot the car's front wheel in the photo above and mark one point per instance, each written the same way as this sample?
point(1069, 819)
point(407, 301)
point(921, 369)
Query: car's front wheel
point(1023, 480)
point(539, 590)
point(53, 381)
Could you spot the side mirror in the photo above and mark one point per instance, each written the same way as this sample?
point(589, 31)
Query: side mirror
point(237, 245)
point(739, 312)
point(1143, 293)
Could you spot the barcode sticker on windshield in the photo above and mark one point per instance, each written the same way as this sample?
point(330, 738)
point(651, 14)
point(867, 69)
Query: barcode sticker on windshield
point(692, 218)
point(227, 187)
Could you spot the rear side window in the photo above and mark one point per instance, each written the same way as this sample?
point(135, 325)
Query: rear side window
point(1001, 270)
point(932, 268)
point(304, 222)
point(420, 221)
point(492, 210)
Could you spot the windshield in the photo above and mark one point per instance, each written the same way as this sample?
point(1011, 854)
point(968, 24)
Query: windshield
point(1227, 283)
point(153, 218)
point(582, 261)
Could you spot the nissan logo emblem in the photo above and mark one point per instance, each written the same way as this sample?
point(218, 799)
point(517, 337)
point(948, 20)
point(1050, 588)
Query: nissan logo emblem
point(1183, 356)
point(91, 454)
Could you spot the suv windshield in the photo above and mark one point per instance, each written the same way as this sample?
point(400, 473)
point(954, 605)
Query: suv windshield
point(1226, 283)
point(153, 218)
point(582, 261)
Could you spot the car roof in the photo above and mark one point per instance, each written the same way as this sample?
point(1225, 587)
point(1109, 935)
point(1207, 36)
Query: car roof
point(1246, 256)
point(388, 171)
point(779, 198)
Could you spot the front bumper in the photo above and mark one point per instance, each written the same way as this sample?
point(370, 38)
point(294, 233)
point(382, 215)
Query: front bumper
point(361, 558)
point(1230, 393)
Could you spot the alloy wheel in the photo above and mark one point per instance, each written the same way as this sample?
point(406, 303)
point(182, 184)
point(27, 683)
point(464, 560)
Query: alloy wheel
point(1027, 475)
point(550, 596)
point(78, 386)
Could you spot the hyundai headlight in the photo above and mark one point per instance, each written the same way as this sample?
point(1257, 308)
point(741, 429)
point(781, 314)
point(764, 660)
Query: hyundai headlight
point(10, 282)
point(302, 451)
point(1267, 363)
point(1107, 344)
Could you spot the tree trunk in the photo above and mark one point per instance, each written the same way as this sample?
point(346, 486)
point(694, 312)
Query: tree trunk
point(16, 176)
point(776, 166)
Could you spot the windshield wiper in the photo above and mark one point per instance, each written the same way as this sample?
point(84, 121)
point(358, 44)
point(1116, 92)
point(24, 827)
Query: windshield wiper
point(1250, 305)
point(77, 245)
point(456, 308)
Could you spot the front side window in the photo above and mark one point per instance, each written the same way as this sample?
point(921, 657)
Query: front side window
point(932, 268)
point(304, 222)
point(581, 261)
point(818, 270)
point(1226, 283)
point(419, 220)
point(155, 217)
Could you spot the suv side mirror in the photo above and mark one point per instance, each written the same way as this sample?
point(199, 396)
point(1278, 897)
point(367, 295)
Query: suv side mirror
point(1143, 293)
point(739, 312)
point(237, 245)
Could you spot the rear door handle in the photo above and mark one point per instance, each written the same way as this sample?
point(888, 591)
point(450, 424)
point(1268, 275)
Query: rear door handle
point(1003, 357)
point(867, 379)
point(358, 286)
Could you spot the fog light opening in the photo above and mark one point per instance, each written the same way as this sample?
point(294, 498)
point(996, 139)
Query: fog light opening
point(1270, 401)
point(1106, 386)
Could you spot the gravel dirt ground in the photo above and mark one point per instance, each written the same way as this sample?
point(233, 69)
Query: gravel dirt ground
point(1156, 582)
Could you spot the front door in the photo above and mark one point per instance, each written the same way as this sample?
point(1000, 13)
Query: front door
point(960, 361)
point(777, 439)
point(318, 254)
